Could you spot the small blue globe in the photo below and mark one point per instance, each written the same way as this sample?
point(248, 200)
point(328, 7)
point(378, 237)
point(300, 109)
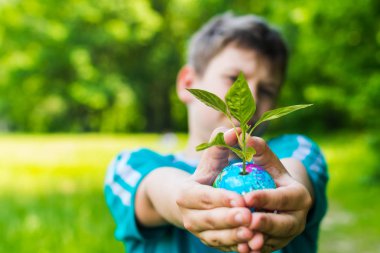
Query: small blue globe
point(232, 179)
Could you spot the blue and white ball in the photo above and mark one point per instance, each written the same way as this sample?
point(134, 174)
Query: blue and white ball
point(231, 178)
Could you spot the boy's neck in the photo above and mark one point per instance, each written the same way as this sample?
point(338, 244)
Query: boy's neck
point(189, 152)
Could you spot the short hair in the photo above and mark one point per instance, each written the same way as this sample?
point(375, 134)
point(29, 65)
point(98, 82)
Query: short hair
point(248, 31)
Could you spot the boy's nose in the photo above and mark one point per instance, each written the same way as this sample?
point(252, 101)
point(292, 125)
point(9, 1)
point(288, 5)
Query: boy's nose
point(254, 94)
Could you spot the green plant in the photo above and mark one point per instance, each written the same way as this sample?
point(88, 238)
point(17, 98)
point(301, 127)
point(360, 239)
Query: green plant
point(239, 104)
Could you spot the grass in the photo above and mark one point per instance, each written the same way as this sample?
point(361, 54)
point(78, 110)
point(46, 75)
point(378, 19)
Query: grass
point(51, 192)
point(352, 223)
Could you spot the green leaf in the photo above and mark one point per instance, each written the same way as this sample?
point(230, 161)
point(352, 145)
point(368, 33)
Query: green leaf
point(238, 152)
point(279, 112)
point(219, 141)
point(240, 102)
point(203, 146)
point(209, 99)
point(249, 153)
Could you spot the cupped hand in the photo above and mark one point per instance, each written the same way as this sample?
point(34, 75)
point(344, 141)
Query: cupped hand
point(283, 210)
point(217, 217)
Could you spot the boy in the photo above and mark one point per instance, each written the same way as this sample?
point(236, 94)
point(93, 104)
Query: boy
point(165, 203)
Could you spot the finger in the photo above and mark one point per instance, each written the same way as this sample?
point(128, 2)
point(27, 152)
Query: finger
point(217, 219)
point(276, 225)
point(201, 197)
point(287, 198)
point(257, 241)
point(266, 158)
point(215, 158)
point(277, 243)
point(225, 237)
point(243, 248)
point(231, 136)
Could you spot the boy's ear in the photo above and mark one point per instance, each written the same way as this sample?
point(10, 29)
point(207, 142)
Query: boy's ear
point(185, 80)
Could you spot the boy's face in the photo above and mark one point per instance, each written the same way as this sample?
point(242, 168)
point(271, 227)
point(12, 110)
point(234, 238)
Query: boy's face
point(263, 77)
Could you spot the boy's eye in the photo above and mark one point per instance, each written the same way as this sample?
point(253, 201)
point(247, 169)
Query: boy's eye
point(232, 78)
point(266, 92)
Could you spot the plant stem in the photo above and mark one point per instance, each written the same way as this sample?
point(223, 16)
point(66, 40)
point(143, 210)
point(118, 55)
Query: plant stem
point(244, 150)
point(235, 129)
point(251, 130)
point(242, 142)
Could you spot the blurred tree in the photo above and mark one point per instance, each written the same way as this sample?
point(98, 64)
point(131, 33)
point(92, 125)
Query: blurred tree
point(65, 64)
point(110, 65)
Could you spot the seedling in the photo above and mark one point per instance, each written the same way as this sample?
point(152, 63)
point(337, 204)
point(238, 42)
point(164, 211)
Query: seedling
point(239, 104)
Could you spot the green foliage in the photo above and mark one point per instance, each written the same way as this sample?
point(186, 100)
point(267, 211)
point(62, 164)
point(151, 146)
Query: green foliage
point(241, 105)
point(240, 102)
point(209, 99)
point(51, 191)
point(111, 65)
point(219, 141)
point(67, 66)
point(53, 195)
point(278, 113)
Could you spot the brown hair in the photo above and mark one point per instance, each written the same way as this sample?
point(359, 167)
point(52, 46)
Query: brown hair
point(249, 31)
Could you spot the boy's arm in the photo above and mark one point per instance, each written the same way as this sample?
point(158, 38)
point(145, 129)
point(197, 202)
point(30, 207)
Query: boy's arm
point(218, 217)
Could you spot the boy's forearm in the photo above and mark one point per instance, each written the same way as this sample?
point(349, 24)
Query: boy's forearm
point(156, 197)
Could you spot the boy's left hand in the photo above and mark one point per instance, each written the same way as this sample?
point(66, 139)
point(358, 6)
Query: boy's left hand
point(286, 207)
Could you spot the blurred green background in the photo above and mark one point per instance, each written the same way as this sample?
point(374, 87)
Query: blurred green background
point(78, 77)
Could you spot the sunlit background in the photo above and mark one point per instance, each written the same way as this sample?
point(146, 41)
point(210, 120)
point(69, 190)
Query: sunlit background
point(81, 80)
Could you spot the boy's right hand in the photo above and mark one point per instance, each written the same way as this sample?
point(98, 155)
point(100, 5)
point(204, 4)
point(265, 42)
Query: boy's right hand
point(217, 217)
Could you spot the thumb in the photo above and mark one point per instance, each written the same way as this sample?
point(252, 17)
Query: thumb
point(265, 158)
point(215, 158)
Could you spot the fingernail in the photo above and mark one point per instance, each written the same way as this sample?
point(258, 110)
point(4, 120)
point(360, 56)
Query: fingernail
point(241, 234)
point(239, 218)
point(233, 203)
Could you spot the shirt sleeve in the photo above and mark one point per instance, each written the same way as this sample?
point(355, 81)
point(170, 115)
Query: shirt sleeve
point(124, 174)
point(306, 151)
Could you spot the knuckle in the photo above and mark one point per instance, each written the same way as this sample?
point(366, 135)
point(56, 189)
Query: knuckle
point(263, 218)
point(212, 242)
point(263, 221)
point(206, 201)
point(216, 243)
point(182, 195)
point(209, 221)
point(180, 199)
point(259, 199)
point(284, 200)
